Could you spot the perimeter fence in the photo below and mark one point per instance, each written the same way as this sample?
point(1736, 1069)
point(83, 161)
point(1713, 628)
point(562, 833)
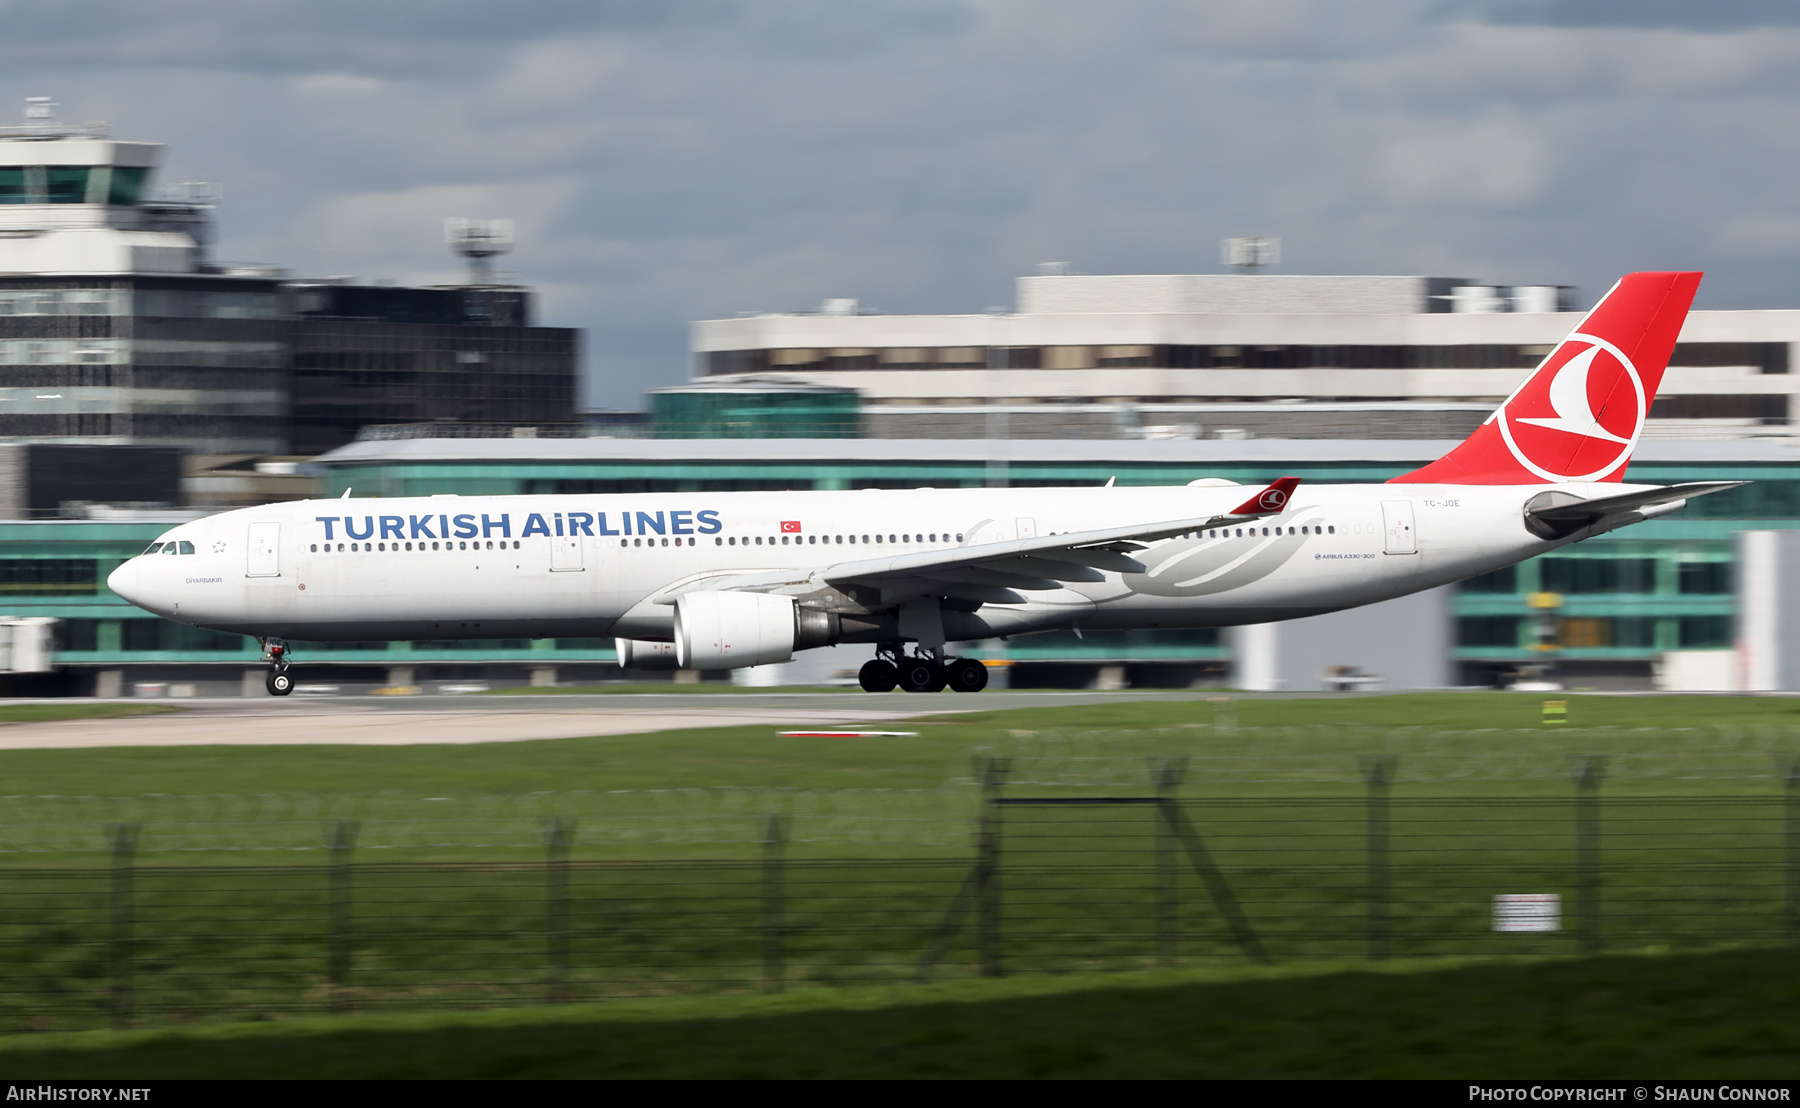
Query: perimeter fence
point(1058, 881)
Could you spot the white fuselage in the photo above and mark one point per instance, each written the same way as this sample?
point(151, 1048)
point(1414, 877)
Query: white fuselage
point(449, 567)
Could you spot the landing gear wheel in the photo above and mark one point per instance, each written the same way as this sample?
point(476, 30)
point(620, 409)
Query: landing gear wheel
point(967, 675)
point(878, 675)
point(279, 682)
point(921, 675)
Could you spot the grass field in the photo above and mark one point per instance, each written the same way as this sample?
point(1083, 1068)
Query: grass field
point(451, 902)
point(1473, 737)
point(1710, 1015)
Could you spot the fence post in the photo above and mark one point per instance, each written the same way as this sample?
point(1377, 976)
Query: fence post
point(774, 905)
point(124, 838)
point(1588, 769)
point(1790, 772)
point(342, 842)
point(556, 909)
point(987, 866)
point(1168, 774)
point(1379, 771)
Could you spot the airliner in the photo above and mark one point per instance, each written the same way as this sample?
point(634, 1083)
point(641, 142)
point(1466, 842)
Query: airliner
point(713, 581)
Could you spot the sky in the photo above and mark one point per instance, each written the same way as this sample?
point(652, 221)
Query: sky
point(671, 160)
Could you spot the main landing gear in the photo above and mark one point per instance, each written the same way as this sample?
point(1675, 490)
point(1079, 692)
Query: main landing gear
point(279, 682)
point(924, 672)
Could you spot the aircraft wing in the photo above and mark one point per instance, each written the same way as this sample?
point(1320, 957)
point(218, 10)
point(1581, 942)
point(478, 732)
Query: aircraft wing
point(997, 572)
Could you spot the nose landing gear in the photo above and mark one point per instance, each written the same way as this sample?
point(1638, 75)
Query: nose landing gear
point(279, 682)
point(923, 672)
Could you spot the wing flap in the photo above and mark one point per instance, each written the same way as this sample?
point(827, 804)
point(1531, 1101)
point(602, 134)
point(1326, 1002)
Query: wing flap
point(1054, 569)
point(983, 575)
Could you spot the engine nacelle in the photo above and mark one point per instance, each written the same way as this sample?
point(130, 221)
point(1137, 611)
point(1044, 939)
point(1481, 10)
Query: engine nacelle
point(731, 630)
point(641, 654)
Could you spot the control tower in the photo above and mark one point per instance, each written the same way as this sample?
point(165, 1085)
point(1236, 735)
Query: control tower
point(118, 331)
point(74, 200)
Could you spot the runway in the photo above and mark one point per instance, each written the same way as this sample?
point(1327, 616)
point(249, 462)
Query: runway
point(455, 720)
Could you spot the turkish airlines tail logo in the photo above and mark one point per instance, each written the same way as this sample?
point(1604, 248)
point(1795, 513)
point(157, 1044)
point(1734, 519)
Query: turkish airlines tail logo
point(1578, 417)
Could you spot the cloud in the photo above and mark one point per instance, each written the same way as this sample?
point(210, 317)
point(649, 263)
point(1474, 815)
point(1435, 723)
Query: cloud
point(1497, 163)
point(667, 162)
point(1760, 236)
point(1713, 15)
point(443, 38)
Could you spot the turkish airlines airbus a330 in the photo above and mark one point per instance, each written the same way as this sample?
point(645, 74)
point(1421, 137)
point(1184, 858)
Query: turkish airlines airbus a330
point(726, 580)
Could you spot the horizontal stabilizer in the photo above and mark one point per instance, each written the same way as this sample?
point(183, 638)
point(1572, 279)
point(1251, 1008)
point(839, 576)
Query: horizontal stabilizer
point(1555, 515)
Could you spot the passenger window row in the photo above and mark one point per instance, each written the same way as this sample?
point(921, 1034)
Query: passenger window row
point(1228, 532)
point(828, 540)
point(395, 547)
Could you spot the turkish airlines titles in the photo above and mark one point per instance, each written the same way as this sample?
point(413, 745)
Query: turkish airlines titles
point(464, 525)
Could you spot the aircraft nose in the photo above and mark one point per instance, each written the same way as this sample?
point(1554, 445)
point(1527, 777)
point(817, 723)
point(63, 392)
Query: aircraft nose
point(124, 581)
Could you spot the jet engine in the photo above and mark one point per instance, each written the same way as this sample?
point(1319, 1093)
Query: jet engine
point(641, 654)
point(731, 630)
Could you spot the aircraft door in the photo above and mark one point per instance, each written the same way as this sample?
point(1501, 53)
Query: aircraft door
point(565, 554)
point(264, 550)
point(1397, 517)
point(1027, 527)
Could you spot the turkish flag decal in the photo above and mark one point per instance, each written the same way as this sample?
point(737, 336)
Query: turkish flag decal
point(790, 527)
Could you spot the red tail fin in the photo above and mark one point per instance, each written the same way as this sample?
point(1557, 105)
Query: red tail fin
point(1578, 417)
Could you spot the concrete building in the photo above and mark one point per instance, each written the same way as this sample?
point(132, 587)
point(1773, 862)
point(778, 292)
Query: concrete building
point(365, 355)
point(1238, 355)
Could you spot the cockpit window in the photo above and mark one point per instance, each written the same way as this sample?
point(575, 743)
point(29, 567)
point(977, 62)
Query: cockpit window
point(153, 548)
point(187, 547)
point(168, 548)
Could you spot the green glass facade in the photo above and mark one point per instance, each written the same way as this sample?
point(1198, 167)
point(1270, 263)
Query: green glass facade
point(745, 414)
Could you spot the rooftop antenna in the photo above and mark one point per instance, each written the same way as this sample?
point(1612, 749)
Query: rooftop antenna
point(41, 124)
point(1248, 255)
point(479, 240)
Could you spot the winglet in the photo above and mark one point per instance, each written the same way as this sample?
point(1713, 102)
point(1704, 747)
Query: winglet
point(1269, 501)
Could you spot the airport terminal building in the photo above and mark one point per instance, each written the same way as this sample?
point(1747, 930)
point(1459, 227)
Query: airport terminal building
point(1235, 356)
